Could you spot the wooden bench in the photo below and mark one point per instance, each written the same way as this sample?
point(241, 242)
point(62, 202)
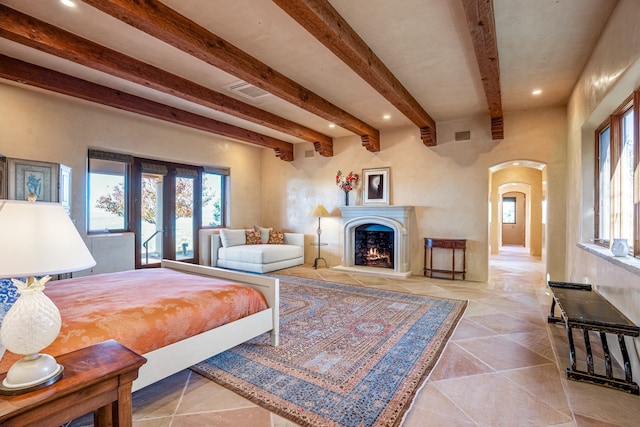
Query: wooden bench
point(583, 308)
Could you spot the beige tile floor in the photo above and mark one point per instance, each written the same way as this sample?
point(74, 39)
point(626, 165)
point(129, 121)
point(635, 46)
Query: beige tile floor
point(504, 365)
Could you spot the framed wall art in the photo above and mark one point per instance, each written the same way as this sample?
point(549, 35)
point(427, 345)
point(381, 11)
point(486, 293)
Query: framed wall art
point(376, 186)
point(32, 177)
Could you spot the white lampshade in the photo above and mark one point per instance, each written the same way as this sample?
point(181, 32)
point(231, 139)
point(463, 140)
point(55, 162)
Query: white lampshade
point(39, 238)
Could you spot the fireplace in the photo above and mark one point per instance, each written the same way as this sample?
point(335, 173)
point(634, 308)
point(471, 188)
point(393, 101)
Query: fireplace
point(373, 246)
point(377, 240)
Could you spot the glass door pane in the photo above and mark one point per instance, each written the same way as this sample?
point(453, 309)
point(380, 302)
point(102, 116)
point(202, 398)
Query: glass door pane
point(184, 218)
point(151, 219)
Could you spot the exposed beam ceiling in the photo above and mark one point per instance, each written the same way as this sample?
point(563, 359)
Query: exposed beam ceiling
point(481, 21)
point(37, 34)
point(165, 24)
point(164, 51)
point(320, 19)
point(25, 73)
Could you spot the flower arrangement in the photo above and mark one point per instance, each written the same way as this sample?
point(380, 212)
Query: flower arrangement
point(347, 183)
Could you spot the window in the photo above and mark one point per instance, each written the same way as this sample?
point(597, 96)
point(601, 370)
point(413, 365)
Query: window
point(616, 209)
point(625, 194)
point(508, 210)
point(213, 194)
point(163, 203)
point(108, 206)
point(603, 191)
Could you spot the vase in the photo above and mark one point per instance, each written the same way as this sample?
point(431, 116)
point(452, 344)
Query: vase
point(620, 247)
point(31, 324)
point(346, 198)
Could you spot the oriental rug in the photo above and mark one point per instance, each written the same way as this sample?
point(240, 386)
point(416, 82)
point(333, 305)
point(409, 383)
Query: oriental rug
point(348, 355)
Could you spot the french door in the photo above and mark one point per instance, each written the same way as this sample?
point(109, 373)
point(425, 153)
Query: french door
point(166, 216)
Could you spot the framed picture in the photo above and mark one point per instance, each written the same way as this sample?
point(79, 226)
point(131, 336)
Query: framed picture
point(31, 177)
point(376, 186)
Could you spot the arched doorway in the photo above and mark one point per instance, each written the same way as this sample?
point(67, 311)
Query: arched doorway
point(527, 178)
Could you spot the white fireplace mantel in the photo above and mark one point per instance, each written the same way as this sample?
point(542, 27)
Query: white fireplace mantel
point(397, 218)
point(399, 213)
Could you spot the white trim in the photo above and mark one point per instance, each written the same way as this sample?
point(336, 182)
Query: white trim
point(173, 358)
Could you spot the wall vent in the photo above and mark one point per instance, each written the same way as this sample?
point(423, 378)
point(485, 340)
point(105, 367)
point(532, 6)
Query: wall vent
point(247, 90)
point(309, 153)
point(463, 136)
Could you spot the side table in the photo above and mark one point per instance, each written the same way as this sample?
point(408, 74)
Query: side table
point(96, 378)
point(452, 244)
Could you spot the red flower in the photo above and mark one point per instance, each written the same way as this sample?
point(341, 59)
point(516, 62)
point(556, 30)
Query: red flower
point(347, 183)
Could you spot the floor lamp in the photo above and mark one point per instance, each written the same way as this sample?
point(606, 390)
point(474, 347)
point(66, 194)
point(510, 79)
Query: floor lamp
point(319, 211)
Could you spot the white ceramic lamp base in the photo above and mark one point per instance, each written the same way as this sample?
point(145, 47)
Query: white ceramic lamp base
point(30, 373)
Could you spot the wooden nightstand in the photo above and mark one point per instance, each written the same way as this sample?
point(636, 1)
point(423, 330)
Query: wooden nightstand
point(96, 378)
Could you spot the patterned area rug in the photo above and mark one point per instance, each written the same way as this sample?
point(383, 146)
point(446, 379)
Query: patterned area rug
point(348, 356)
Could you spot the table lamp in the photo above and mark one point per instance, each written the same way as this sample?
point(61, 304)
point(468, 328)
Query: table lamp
point(319, 211)
point(38, 239)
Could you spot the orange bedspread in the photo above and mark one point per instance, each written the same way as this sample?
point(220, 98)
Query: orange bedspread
point(143, 309)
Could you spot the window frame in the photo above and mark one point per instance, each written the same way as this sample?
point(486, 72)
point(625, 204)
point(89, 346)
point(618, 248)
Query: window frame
point(514, 200)
point(112, 157)
point(600, 240)
point(131, 182)
point(224, 185)
point(615, 122)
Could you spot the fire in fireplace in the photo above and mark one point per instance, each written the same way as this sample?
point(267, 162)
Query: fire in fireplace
point(374, 246)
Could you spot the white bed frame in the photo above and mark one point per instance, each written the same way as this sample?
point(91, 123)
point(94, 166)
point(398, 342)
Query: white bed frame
point(173, 358)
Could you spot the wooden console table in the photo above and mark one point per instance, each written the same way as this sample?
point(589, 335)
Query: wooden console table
point(582, 308)
point(452, 244)
point(96, 378)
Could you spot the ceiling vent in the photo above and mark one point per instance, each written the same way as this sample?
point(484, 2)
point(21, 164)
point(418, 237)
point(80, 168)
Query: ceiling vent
point(463, 136)
point(247, 90)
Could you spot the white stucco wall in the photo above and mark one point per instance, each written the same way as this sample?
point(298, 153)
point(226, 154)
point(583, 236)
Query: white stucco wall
point(611, 75)
point(40, 125)
point(448, 184)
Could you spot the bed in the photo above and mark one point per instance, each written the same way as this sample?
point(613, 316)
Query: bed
point(172, 328)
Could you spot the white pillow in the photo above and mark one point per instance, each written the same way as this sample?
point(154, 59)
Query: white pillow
point(264, 233)
point(232, 237)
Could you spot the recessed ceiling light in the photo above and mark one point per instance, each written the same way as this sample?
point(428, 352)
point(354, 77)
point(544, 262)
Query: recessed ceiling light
point(332, 125)
point(68, 3)
point(536, 92)
point(386, 116)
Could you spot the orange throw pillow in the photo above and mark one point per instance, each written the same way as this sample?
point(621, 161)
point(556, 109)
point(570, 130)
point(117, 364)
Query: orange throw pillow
point(276, 238)
point(253, 237)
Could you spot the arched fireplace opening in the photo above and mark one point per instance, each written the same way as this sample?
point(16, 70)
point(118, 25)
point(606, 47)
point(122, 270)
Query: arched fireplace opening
point(373, 246)
point(395, 222)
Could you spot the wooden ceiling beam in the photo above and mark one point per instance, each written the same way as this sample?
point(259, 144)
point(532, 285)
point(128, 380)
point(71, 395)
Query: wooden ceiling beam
point(482, 26)
point(163, 23)
point(39, 35)
point(322, 21)
point(34, 75)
